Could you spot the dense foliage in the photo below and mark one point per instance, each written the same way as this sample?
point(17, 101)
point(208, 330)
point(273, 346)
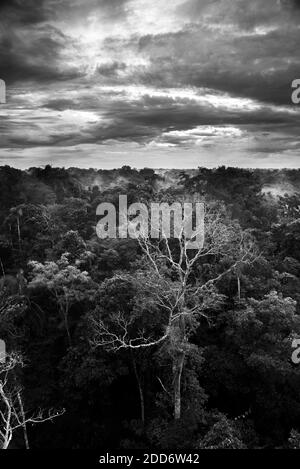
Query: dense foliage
point(239, 386)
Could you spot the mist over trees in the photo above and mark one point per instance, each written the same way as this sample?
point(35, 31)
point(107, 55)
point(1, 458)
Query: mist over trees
point(141, 343)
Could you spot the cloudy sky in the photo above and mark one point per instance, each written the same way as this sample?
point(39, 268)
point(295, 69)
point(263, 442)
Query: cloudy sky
point(158, 83)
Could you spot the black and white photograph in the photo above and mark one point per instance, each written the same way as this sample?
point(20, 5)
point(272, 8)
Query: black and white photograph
point(149, 227)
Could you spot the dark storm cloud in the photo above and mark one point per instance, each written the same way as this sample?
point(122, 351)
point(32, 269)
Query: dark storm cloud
point(149, 117)
point(34, 55)
point(166, 112)
point(23, 11)
point(260, 67)
point(270, 88)
point(166, 115)
point(246, 14)
point(59, 104)
point(291, 3)
point(111, 70)
point(37, 11)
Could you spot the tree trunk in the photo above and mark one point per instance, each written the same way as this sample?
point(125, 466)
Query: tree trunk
point(67, 329)
point(24, 421)
point(239, 288)
point(19, 235)
point(2, 267)
point(177, 371)
point(65, 317)
point(178, 365)
point(138, 380)
point(6, 444)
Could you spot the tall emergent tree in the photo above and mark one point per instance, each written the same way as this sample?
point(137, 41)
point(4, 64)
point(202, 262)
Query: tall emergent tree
point(178, 285)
